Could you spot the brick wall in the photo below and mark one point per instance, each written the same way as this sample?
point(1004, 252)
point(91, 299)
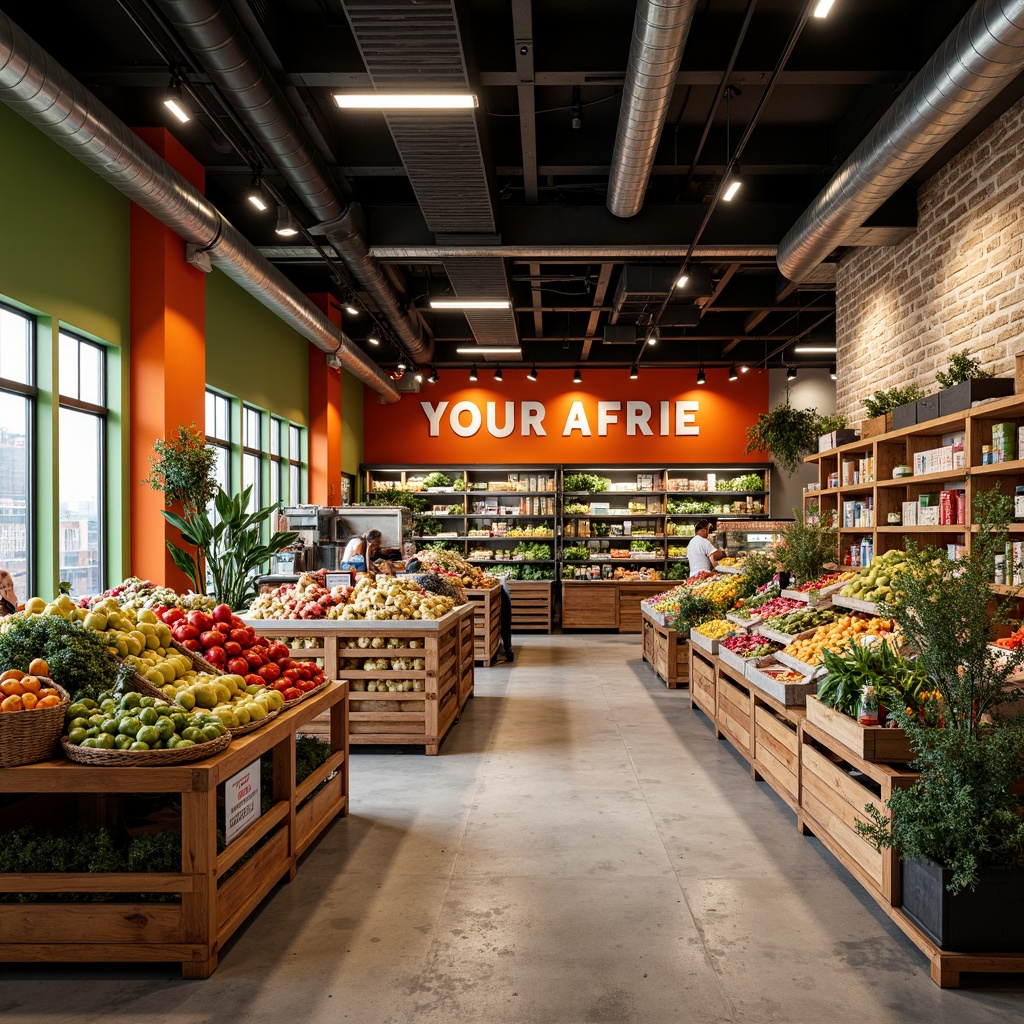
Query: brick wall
point(956, 283)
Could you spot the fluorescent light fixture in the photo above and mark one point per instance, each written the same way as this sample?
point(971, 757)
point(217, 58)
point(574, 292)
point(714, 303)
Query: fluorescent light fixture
point(731, 189)
point(701, 379)
point(469, 304)
point(577, 377)
point(372, 338)
point(497, 373)
point(683, 278)
point(811, 350)
point(822, 9)
point(532, 375)
point(733, 375)
point(256, 197)
point(287, 226)
point(832, 371)
point(791, 373)
point(405, 101)
point(634, 372)
point(472, 374)
point(175, 103)
point(490, 350)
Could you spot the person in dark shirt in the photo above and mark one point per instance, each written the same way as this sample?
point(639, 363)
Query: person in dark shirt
point(505, 621)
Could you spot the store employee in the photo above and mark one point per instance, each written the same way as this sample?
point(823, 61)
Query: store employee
point(702, 554)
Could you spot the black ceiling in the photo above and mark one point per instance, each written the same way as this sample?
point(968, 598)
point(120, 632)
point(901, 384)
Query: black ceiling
point(573, 269)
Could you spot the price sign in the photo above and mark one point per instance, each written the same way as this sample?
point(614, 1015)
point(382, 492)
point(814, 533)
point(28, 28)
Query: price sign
point(241, 801)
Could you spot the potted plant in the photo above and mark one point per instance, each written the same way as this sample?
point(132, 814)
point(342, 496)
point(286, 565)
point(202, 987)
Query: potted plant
point(960, 827)
point(882, 405)
point(808, 544)
point(966, 382)
point(789, 434)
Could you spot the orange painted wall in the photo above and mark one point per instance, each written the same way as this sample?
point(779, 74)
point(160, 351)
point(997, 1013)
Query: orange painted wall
point(324, 417)
point(167, 361)
point(401, 433)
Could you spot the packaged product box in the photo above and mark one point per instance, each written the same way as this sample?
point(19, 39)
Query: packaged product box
point(1004, 441)
point(928, 499)
point(928, 515)
point(910, 513)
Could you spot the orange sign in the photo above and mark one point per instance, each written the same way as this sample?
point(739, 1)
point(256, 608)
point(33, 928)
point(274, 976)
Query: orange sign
point(662, 417)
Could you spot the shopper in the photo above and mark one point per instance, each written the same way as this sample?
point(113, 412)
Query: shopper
point(361, 553)
point(8, 598)
point(412, 563)
point(505, 621)
point(700, 552)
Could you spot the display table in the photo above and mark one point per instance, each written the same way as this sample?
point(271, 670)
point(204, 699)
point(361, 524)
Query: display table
point(446, 646)
point(606, 604)
point(532, 605)
point(194, 930)
point(665, 650)
point(486, 622)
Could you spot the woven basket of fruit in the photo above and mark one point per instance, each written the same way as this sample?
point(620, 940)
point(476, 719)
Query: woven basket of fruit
point(32, 710)
point(103, 758)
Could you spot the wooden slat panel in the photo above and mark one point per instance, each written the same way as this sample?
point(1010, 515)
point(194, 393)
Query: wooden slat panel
point(99, 952)
point(140, 881)
point(239, 896)
point(130, 924)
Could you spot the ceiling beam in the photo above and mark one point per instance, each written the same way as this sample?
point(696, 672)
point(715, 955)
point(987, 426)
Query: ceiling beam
point(522, 28)
point(603, 278)
point(727, 276)
point(535, 298)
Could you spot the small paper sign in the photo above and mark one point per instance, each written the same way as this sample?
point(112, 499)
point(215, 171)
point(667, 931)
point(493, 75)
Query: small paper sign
point(241, 801)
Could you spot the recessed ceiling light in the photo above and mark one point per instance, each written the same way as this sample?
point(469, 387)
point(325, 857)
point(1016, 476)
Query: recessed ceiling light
point(405, 101)
point(469, 303)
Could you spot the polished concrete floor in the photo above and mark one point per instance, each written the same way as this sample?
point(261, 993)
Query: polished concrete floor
point(582, 851)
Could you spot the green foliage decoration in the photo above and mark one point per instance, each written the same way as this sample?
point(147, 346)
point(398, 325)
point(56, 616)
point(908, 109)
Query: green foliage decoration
point(788, 434)
point(882, 402)
point(183, 468)
point(808, 544)
point(962, 366)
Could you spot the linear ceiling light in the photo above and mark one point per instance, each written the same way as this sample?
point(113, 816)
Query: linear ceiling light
point(811, 350)
point(532, 375)
point(490, 350)
point(469, 303)
point(287, 226)
point(822, 8)
point(174, 101)
point(472, 374)
point(405, 101)
point(577, 377)
point(255, 195)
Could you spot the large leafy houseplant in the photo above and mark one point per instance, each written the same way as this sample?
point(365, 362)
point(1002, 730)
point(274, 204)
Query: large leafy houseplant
point(182, 468)
point(232, 548)
point(961, 812)
point(808, 544)
point(789, 433)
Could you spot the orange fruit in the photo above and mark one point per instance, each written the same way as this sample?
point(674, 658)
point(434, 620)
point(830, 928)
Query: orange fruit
point(29, 701)
point(50, 701)
point(11, 703)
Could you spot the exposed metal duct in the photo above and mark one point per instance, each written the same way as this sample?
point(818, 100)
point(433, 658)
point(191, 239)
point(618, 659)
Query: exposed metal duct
point(43, 92)
point(659, 37)
point(981, 56)
point(221, 45)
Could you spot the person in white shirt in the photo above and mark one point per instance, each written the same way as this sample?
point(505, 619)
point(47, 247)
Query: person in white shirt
point(702, 554)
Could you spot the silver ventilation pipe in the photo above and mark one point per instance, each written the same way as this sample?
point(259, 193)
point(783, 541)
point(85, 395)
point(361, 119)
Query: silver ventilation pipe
point(978, 59)
point(659, 36)
point(43, 92)
point(223, 48)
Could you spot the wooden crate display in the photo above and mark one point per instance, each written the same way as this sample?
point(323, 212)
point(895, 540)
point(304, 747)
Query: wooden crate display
point(776, 753)
point(703, 683)
point(486, 622)
point(631, 596)
point(421, 717)
point(193, 930)
point(734, 709)
point(532, 605)
point(871, 742)
point(665, 651)
point(592, 605)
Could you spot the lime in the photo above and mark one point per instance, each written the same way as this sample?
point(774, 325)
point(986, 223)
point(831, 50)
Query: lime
point(110, 726)
point(78, 723)
point(131, 700)
point(130, 726)
point(192, 734)
point(147, 702)
point(123, 742)
point(90, 742)
point(148, 716)
point(213, 732)
point(185, 743)
point(166, 727)
point(139, 746)
point(93, 731)
point(89, 702)
point(78, 710)
point(148, 734)
point(77, 735)
point(172, 741)
point(105, 741)
point(180, 722)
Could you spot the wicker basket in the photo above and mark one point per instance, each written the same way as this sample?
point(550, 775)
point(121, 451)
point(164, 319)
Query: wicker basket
point(30, 736)
point(244, 730)
point(199, 663)
point(143, 758)
point(298, 700)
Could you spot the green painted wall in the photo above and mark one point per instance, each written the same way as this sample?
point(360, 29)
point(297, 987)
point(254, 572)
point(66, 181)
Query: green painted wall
point(352, 423)
point(252, 354)
point(64, 256)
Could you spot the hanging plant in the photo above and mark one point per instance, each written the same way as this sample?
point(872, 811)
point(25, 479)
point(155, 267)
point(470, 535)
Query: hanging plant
point(789, 434)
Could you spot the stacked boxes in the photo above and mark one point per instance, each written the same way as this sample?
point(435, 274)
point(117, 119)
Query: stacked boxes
point(1004, 443)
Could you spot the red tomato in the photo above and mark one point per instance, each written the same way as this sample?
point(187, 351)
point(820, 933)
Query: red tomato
point(269, 672)
point(278, 653)
point(192, 644)
point(238, 666)
point(292, 671)
point(307, 668)
point(240, 636)
point(291, 693)
point(308, 684)
point(200, 620)
point(254, 656)
point(172, 615)
point(251, 679)
point(222, 613)
point(222, 627)
point(260, 641)
point(216, 656)
point(184, 631)
point(211, 638)
point(233, 649)
point(281, 684)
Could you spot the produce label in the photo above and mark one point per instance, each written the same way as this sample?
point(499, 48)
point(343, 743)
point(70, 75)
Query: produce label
point(241, 801)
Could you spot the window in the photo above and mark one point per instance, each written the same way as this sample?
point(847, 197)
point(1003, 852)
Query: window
point(294, 464)
point(17, 415)
point(218, 435)
point(252, 421)
point(277, 427)
point(82, 464)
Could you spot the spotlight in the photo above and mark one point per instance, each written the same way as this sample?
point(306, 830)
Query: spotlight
point(350, 307)
point(402, 364)
point(653, 335)
point(532, 375)
point(744, 369)
point(832, 372)
point(701, 379)
point(255, 195)
point(373, 338)
point(287, 226)
point(634, 372)
point(497, 373)
point(683, 278)
point(174, 101)
point(434, 376)
point(791, 373)
point(733, 375)
point(472, 374)
point(577, 377)
point(419, 376)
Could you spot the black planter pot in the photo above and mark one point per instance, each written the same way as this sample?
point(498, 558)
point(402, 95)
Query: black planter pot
point(988, 919)
point(961, 396)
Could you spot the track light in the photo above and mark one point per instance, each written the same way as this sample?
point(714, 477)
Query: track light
point(472, 374)
point(174, 101)
point(434, 377)
point(350, 307)
point(653, 335)
point(577, 377)
point(373, 338)
point(822, 9)
point(255, 195)
point(419, 376)
point(497, 373)
point(791, 373)
point(634, 372)
point(832, 372)
point(744, 369)
point(576, 109)
point(701, 379)
point(683, 278)
point(733, 375)
point(287, 226)
point(402, 364)
point(532, 375)
point(731, 189)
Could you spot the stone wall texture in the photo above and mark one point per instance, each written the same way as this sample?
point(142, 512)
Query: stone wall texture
point(957, 283)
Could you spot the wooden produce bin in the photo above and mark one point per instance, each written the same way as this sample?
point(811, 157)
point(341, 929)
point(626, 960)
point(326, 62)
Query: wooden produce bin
point(665, 651)
point(486, 622)
point(703, 683)
point(607, 604)
point(532, 605)
point(422, 717)
point(734, 709)
point(870, 742)
point(632, 594)
point(194, 930)
point(776, 753)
